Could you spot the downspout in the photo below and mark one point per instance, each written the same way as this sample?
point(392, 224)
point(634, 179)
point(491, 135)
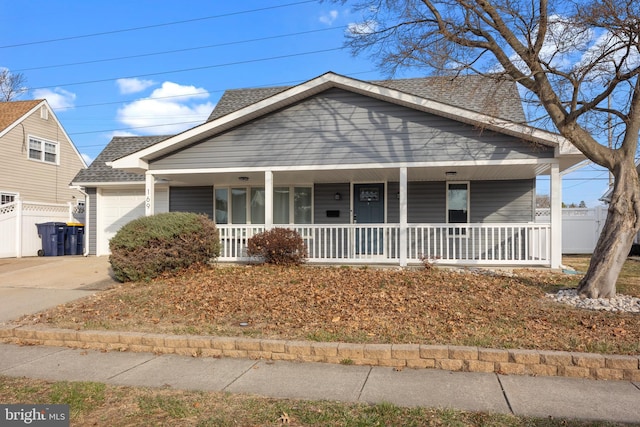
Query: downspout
point(86, 219)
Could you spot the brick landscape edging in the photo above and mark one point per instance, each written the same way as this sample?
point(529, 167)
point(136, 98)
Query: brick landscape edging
point(445, 357)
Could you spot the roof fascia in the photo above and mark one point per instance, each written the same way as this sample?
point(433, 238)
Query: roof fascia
point(21, 118)
point(139, 160)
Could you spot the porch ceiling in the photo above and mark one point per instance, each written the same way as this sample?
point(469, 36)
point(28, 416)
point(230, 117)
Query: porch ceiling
point(440, 173)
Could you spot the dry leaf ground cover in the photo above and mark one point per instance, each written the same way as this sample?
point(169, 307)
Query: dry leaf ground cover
point(365, 305)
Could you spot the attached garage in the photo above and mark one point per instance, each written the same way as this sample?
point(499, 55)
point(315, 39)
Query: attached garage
point(117, 207)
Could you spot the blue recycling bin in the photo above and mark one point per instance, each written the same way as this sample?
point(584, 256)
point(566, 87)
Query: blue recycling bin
point(53, 238)
point(74, 239)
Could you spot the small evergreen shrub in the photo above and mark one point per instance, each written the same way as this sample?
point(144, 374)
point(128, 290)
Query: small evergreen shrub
point(279, 246)
point(149, 246)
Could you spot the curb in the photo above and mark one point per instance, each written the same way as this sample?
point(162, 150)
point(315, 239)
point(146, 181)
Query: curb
point(450, 358)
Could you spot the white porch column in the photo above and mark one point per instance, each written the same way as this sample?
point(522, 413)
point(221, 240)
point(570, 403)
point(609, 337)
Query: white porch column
point(149, 194)
point(268, 199)
point(556, 216)
point(403, 217)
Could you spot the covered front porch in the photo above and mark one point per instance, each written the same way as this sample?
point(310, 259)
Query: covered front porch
point(339, 227)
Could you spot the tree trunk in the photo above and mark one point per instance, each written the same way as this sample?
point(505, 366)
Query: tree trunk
point(615, 241)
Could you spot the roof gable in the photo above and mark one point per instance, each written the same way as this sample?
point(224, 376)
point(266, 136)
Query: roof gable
point(139, 161)
point(13, 112)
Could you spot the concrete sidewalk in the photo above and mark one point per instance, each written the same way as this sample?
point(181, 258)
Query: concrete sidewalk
point(616, 401)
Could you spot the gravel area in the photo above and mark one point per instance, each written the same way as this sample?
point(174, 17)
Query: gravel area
point(619, 303)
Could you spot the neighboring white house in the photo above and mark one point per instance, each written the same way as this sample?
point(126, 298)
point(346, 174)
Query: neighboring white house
point(373, 172)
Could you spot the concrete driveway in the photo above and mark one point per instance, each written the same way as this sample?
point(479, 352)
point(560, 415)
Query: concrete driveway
point(30, 285)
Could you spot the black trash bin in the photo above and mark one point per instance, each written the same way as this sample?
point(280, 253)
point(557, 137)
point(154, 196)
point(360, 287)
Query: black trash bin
point(53, 238)
point(74, 239)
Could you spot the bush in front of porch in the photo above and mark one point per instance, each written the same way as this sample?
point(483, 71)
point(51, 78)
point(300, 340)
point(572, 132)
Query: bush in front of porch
point(148, 246)
point(279, 246)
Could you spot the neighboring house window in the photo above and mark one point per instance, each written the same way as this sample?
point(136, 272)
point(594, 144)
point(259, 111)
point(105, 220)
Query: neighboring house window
point(42, 150)
point(457, 205)
point(7, 198)
point(247, 205)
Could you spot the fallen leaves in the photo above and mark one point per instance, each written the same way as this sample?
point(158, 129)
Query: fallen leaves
point(355, 305)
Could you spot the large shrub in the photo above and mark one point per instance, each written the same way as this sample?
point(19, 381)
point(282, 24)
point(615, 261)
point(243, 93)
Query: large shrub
point(280, 246)
point(148, 246)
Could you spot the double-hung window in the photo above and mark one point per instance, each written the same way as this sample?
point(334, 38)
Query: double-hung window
point(43, 150)
point(457, 206)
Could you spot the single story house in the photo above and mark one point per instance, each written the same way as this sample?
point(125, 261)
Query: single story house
point(389, 172)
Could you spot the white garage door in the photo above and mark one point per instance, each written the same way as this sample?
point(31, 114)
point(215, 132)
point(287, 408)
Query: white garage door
point(117, 207)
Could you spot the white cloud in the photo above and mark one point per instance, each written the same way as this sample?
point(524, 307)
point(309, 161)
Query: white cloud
point(356, 29)
point(170, 109)
point(329, 17)
point(133, 85)
point(613, 51)
point(58, 98)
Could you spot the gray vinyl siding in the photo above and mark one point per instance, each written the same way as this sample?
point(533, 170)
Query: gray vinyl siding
point(191, 199)
point(502, 201)
point(93, 223)
point(393, 204)
point(337, 127)
point(426, 202)
point(324, 200)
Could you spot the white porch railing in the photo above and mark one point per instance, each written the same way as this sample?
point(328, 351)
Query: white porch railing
point(479, 244)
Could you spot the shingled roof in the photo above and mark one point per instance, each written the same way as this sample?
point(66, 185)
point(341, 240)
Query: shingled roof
point(119, 146)
point(493, 97)
point(12, 111)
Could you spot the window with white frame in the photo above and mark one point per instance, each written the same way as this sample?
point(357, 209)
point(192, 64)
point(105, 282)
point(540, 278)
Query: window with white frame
point(6, 197)
point(292, 205)
point(43, 150)
point(246, 205)
point(457, 205)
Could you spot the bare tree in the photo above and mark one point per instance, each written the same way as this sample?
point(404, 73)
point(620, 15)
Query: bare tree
point(11, 85)
point(543, 201)
point(579, 61)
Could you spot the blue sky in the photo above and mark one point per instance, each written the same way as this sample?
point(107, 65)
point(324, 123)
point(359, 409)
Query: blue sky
point(132, 67)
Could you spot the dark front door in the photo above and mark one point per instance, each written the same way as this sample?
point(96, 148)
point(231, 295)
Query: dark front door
point(368, 208)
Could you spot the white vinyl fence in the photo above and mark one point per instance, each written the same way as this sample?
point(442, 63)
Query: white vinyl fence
point(18, 231)
point(581, 227)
